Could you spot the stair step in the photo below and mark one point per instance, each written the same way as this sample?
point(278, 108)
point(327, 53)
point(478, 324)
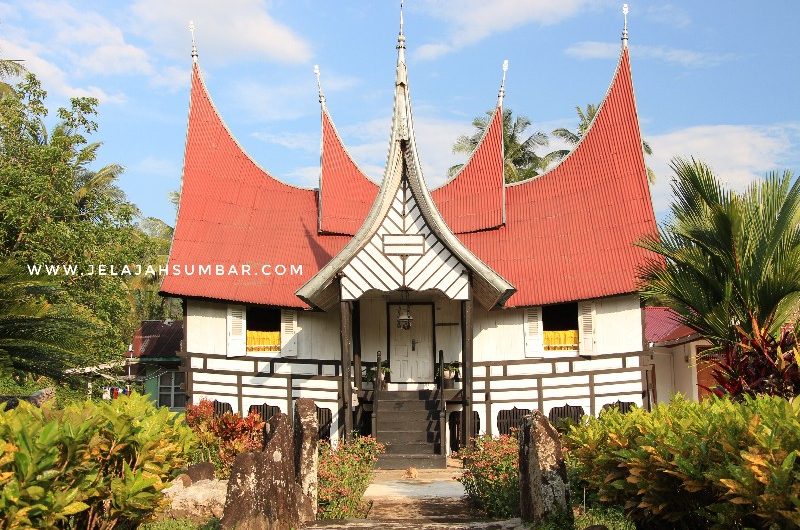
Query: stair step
point(419, 461)
point(416, 416)
point(411, 448)
point(403, 405)
point(399, 437)
point(408, 425)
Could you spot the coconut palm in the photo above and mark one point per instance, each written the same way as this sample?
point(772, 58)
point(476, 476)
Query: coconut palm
point(727, 259)
point(9, 68)
point(519, 148)
point(585, 118)
point(34, 337)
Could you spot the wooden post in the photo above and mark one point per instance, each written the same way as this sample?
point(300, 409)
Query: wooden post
point(346, 340)
point(466, 379)
point(357, 346)
point(442, 407)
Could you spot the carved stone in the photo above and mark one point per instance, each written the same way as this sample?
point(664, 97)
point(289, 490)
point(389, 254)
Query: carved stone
point(201, 471)
point(262, 492)
point(544, 488)
point(306, 440)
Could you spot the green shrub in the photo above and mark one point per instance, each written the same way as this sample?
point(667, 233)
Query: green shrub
point(491, 474)
point(222, 437)
point(714, 464)
point(344, 473)
point(181, 524)
point(89, 465)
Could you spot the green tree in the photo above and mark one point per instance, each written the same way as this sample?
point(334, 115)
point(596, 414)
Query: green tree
point(55, 209)
point(9, 68)
point(37, 337)
point(521, 161)
point(727, 259)
point(585, 118)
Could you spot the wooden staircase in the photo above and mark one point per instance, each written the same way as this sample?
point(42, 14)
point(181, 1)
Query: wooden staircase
point(408, 423)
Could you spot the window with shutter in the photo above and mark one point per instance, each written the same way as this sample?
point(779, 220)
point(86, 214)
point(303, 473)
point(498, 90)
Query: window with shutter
point(586, 318)
point(534, 345)
point(237, 326)
point(288, 332)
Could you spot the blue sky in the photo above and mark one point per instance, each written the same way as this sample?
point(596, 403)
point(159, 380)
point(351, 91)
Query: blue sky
point(716, 79)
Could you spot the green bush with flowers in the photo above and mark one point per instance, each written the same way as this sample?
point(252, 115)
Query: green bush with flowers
point(491, 474)
point(344, 473)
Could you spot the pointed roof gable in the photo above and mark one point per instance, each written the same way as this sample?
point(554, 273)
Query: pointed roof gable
point(570, 233)
point(233, 213)
point(403, 169)
point(474, 199)
point(345, 193)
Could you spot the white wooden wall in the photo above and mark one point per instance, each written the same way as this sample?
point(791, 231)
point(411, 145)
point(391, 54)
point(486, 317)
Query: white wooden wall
point(618, 324)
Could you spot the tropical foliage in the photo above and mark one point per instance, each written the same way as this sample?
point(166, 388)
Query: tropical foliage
point(222, 436)
point(491, 474)
point(727, 259)
point(90, 466)
point(521, 161)
point(716, 464)
point(344, 473)
point(57, 210)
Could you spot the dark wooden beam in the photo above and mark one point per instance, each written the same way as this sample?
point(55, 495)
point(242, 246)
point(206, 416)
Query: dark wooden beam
point(346, 341)
point(357, 345)
point(466, 378)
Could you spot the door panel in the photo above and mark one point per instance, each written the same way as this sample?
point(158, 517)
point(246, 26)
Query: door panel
point(411, 350)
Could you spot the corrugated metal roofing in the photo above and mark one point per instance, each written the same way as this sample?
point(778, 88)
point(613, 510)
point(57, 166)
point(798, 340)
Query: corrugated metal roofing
point(474, 198)
point(158, 338)
point(570, 233)
point(233, 213)
point(661, 324)
point(346, 194)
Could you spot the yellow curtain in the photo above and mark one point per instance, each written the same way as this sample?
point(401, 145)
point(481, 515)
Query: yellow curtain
point(263, 340)
point(561, 340)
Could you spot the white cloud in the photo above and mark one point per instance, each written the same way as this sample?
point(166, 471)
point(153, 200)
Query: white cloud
point(470, 21)
point(225, 32)
point(53, 78)
point(303, 141)
point(610, 50)
point(738, 154)
point(306, 176)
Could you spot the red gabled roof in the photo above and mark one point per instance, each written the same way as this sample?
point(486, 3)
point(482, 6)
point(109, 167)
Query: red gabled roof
point(661, 324)
point(232, 212)
point(570, 233)
point(345, 193)
point(474, 198)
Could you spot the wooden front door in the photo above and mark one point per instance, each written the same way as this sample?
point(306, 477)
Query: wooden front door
point(411, 350)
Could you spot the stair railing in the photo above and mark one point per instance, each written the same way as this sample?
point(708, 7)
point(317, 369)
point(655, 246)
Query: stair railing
point(376, 388)
point(442, 405)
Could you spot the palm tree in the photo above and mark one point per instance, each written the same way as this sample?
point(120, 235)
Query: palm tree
point(585, 118)
point(519, 149)
point(34, 336)
point(727, 259)
point(9, 68)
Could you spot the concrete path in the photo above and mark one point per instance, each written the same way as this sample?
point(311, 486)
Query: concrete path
point(433, 500)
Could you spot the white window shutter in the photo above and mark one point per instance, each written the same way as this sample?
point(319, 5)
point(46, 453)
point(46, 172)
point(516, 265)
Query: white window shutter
point(237, 330)
point(534, 332)
point(586, 324)
point(288, 332)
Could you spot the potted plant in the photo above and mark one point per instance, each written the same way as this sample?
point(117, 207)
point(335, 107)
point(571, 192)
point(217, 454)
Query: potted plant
point(383, 372)
point(450, 373)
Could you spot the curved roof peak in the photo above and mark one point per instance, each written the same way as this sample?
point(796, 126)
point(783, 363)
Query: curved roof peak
point(622, 76)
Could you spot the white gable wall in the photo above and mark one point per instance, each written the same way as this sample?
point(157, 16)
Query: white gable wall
point(206, 330)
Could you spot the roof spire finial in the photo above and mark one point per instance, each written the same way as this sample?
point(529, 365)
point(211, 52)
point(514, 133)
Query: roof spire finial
point(401, 38)
point(319, 85)
point(625, 26)
point(194, 44)
point(502, 91)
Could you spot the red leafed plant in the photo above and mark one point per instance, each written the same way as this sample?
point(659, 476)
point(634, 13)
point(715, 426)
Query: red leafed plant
point(759, 363)
point(224, 436)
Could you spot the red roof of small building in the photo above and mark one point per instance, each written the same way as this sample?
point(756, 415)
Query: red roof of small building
point(233, 213)
point(661, 324)
point(567, 235)
point(474, 199)
point(570, 233)
point(158, 338)
point(345, 193)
